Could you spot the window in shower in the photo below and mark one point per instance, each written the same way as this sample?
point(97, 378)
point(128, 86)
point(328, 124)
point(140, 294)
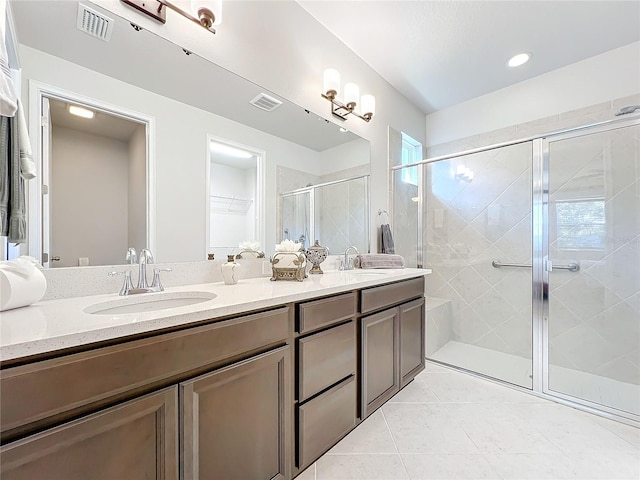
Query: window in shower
point(411, 153)
point(581, 224)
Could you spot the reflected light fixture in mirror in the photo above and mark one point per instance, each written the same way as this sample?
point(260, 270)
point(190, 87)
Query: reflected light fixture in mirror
point(205, 13)
point(331, 87)
point(80, 111)
point(228, 150)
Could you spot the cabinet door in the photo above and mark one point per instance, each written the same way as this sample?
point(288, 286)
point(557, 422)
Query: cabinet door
point(134, 440)
point(380, 363)
point(235, 421)
point(411, 340)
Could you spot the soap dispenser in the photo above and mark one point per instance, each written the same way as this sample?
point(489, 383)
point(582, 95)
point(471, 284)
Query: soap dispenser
point(230, 271)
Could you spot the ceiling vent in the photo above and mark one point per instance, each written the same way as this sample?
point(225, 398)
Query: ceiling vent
point(94, 23)
point(265, 102)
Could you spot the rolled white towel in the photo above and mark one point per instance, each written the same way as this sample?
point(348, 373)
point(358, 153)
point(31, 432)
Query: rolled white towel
point(21, 283)
point(379, 260)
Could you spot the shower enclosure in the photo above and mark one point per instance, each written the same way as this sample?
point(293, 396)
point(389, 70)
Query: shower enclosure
point(334, 213)
point(535, 252)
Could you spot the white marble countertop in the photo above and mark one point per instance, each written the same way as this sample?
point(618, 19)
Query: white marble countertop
point(45, 327)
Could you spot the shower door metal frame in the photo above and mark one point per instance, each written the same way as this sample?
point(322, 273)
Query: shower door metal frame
point(543, 243)
point(540, 258)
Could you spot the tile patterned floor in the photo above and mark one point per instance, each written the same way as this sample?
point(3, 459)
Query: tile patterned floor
point(449, 425)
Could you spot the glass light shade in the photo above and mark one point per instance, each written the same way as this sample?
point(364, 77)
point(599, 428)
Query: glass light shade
point(331, 81)
point(368, 105)
point(351, 94)
point(214, 6)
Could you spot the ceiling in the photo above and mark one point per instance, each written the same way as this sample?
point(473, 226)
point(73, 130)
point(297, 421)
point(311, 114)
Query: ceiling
point(441, 53)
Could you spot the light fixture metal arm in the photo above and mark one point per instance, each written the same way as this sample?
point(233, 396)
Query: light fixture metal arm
point(341, 111)
point(156, 10)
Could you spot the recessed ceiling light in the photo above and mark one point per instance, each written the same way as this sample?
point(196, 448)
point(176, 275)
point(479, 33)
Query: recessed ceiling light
point(519, 59)
point(228, 150)
point(343, 130)
point(81, 112)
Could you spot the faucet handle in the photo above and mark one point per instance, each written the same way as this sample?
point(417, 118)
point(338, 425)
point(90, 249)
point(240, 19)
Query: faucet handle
point(127, 286)
point(156, 283)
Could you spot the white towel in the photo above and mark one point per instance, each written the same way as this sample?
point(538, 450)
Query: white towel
point(27, 166)
point(21, 283)
point(8, 97)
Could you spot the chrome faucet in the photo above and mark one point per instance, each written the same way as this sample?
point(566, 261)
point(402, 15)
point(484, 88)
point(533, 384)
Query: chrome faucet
point(145, 257)
point(143, 286)
point(346, 263)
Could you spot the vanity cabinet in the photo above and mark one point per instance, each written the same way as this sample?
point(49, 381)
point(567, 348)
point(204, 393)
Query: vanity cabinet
point(391, 341)
point(259, 396)
point(234, 422)
point(137, 440)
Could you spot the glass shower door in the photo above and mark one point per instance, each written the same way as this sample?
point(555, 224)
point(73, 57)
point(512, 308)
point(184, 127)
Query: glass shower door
point(477, 239)
point(592, 332)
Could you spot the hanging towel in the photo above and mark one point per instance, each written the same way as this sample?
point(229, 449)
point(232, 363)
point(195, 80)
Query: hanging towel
point(27, 166)
point(386, 239)
point(379, 260)
point(13, 221)
point(8, 97)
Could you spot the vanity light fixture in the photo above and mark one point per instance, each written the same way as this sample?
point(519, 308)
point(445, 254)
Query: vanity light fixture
point(205, 13)
point(80, 111)
point(519, 59)
point(352, 99)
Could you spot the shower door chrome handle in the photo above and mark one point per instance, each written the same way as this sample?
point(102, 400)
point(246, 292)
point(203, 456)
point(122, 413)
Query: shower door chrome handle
point(499, 264)
point(548, 266)
point(572, 267)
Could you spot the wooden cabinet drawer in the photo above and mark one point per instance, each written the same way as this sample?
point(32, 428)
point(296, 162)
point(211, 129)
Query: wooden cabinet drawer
point(324, 312)
point(74, 384)
point(376, 298)
point(325, 358)
point(324, 420)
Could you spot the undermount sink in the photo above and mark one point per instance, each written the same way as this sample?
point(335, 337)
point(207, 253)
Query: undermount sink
point(149, 302)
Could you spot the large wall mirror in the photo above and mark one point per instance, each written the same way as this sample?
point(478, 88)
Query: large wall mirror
point(188, 101)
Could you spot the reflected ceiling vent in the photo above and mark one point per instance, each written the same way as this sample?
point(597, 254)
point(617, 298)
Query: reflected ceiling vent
point(265, 102)
point(94, 23)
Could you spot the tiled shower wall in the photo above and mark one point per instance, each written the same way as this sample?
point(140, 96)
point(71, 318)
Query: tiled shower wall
point(466, 229)
point(342, 209)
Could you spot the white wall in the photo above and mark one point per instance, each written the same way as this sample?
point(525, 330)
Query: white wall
point(613, 74)
point(280, 46)
point(181, 151)
point(347, 155)
point(88, 198)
